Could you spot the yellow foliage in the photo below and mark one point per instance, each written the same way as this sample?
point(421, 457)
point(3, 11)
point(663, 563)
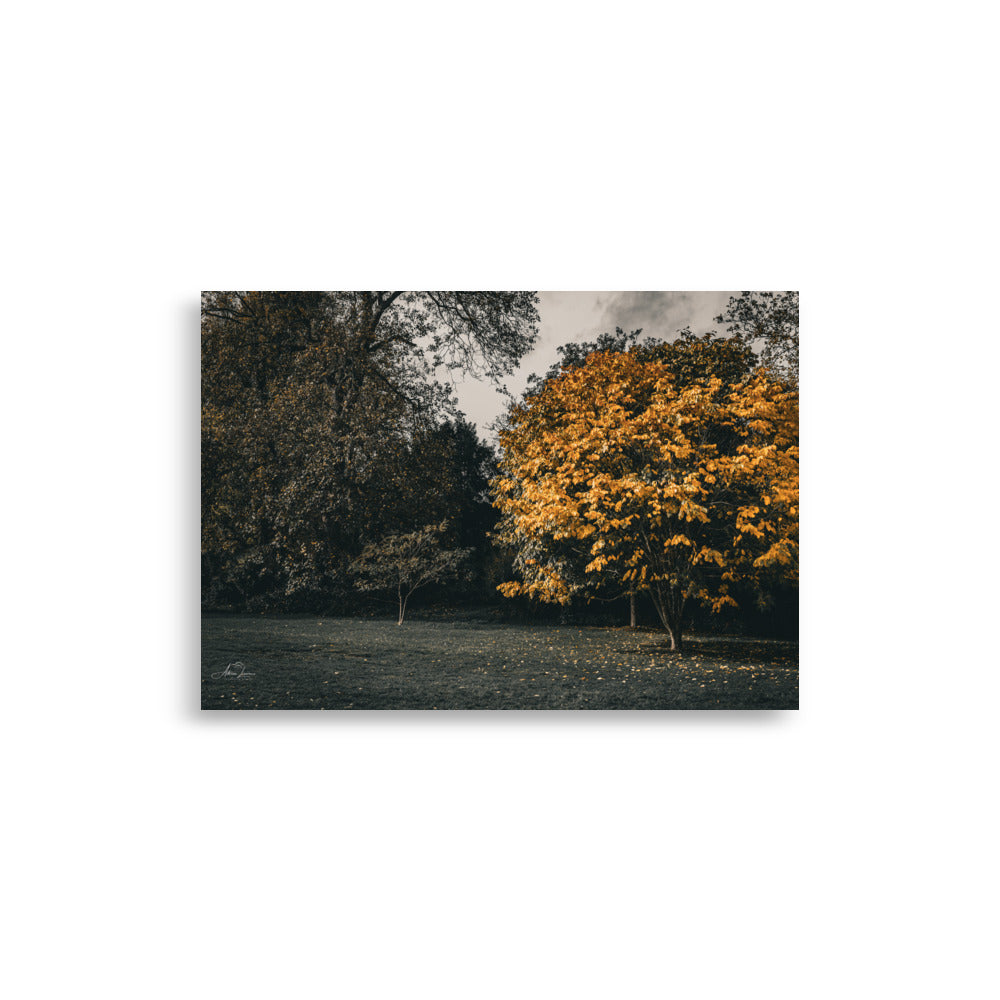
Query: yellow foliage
point(662, 484)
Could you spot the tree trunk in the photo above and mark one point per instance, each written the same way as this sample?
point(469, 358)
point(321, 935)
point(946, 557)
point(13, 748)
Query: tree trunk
point(631, 610)
point(675, 638)
point(402, 605)
point(670, 607)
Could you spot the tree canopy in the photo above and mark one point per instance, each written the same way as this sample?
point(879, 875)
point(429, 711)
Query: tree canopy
point(768, 322)
point(672, 483)
point(322, 427)
point(407, 562)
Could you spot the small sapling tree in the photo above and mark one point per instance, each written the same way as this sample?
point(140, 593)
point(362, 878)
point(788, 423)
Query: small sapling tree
point(407, 562)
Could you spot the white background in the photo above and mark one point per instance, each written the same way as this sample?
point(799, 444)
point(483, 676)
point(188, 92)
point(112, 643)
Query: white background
point(847, 849)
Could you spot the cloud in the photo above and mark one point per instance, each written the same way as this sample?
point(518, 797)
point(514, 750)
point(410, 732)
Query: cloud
point(579, 316)
point(662, 314)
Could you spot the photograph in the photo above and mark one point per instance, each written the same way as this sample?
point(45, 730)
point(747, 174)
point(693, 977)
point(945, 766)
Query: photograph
point(474, 500)
point(446, 645)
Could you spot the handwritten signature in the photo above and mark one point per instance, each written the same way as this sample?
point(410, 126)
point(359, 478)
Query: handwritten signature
point(232, 670)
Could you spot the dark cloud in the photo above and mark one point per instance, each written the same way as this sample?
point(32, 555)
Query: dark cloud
point(579, 316)
point(662, 314)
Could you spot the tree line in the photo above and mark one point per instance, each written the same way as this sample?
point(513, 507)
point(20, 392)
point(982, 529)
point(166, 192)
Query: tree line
point(334, 458)
point(328, 423)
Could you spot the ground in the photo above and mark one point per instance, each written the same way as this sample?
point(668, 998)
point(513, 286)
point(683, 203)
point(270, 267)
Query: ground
point(345, 663)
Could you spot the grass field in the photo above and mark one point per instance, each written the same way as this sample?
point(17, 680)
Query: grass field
point(257, 662)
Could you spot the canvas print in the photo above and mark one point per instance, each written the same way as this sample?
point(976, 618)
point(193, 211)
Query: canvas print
point(499, 500)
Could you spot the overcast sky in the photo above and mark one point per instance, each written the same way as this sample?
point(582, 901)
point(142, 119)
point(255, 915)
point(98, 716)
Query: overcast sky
point(575, 316)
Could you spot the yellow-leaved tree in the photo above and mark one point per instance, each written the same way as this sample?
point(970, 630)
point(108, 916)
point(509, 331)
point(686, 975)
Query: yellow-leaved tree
point(675, 487)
